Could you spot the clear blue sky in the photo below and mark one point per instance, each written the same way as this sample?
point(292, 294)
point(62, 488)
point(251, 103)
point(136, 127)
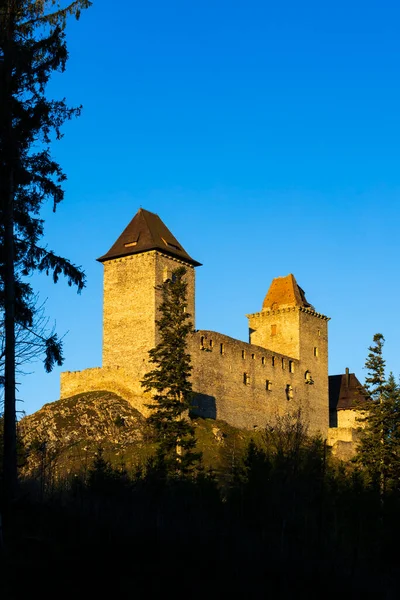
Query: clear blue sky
point(266, 135)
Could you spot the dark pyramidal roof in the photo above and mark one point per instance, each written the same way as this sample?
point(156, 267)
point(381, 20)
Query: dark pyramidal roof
point(147, 232)
point(346, 392)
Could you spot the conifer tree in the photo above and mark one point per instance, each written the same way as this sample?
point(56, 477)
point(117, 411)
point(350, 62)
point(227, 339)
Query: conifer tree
point(379, 446)
point(375, 382)
point(32, 47)
point(170, 382)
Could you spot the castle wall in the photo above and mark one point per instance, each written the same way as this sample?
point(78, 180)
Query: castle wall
point(303, 334)
point(230, 381)
point(130, 307)
point(277, 330)
point(349, 418)
point(243, 384)
point(164, 266)
point(343, 438)
point(115, 380)
point(284, 366)
point(313, 336)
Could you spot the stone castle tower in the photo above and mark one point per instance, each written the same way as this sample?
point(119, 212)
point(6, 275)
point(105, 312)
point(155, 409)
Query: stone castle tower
point(284, 366)
point(142, 258)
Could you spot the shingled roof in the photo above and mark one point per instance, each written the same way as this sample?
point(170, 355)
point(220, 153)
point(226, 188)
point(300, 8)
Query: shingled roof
point(345, 392)
point(147, 232)
point(285, 291)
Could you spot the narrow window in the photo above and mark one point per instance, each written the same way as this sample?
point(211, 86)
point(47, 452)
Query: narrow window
point(243, 353)
point(289, 392)
point(211, 344)
point(246, 379)
point(319, 332)
point(221, 349)
point(283, 364)
point(202, 341)
point(273, 329)
point(268, 385)
point(273, 361)
point(253, 356)
point(315, 351)
point(263, 360)
point(291, 366)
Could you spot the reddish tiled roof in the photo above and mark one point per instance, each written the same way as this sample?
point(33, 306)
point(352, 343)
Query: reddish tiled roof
point(345, 392)
point(147, 232)
point(285, 291)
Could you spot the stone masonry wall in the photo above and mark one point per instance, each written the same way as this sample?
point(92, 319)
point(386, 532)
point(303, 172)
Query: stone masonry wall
point(277, 330)
point(245, 384)
point(313, 333)
point(130, 307)
point(302, 333)
point(230, 378)
point(110, 379)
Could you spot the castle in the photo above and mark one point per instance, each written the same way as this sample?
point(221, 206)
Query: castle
point(283, 367)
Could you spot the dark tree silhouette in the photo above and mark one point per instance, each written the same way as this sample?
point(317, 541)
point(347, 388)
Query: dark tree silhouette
point(170, 381)
point(32, 47)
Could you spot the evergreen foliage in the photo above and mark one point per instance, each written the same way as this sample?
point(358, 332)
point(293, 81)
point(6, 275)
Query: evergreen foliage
point(379, 447)
point(375, 364)
point(169, 382)
point(32, 48)
point(378, 450)
point(293, 519)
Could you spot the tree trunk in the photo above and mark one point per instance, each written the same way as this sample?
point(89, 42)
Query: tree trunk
point(10, 444)
point(7, 207)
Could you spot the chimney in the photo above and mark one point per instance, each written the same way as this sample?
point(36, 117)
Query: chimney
point(347, 377)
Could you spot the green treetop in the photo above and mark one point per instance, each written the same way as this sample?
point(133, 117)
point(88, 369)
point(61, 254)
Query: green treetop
point(170, 382)
point(379, 446)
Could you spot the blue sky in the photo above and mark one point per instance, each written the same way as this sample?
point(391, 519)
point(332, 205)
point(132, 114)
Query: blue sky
point(266, 135)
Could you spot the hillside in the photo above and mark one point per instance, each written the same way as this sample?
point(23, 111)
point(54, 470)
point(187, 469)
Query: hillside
point(63, 436)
